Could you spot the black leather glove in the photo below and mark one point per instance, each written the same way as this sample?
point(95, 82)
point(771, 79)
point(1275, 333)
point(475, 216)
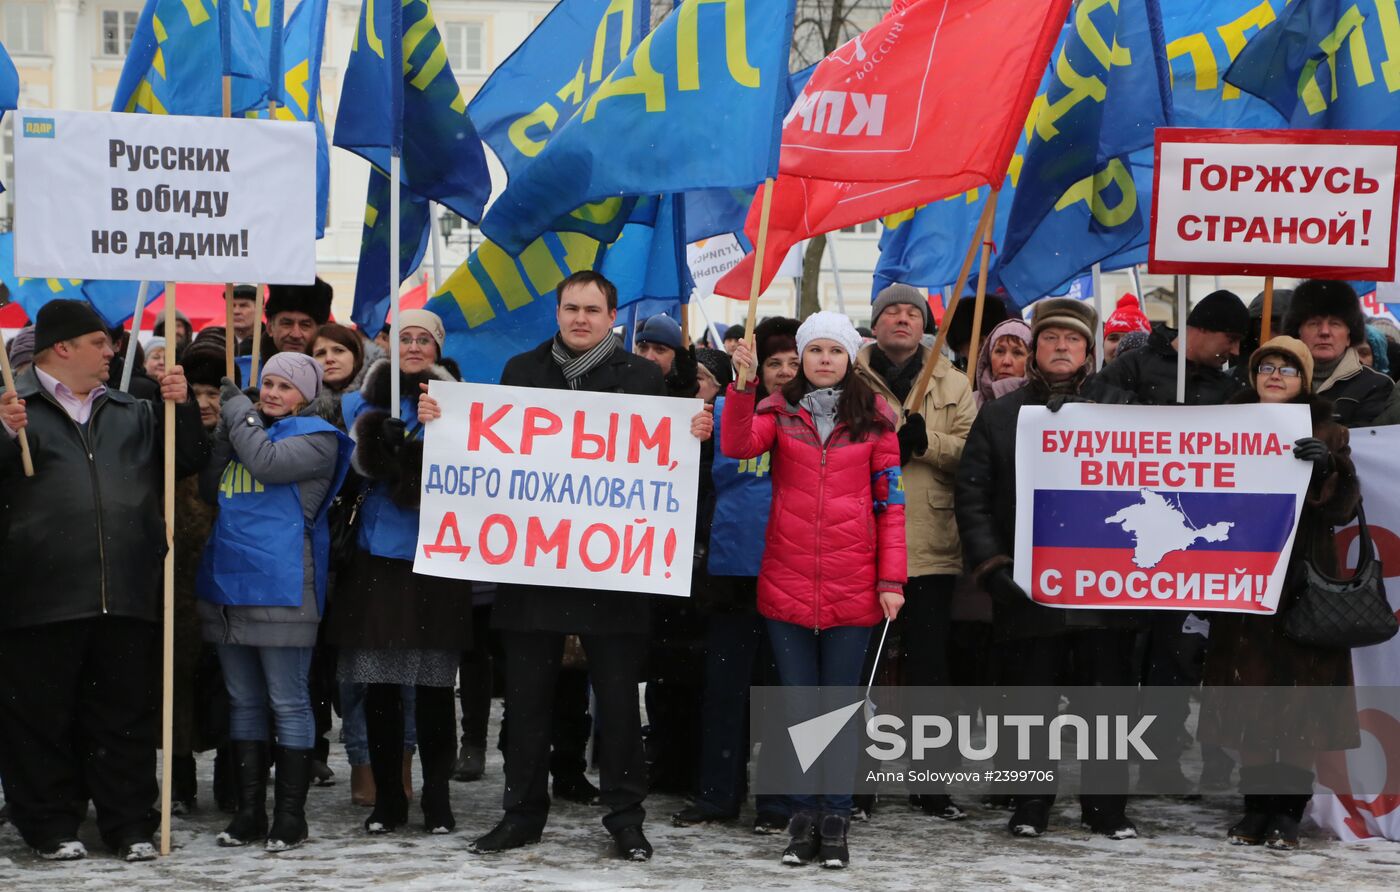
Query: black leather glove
point(1056, 402)
point(1003, 588)
point(228, 390)
point(913, 438)
point(1314, 450)
point(391, 430)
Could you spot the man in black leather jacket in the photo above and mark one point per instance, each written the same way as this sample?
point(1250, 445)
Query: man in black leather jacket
point(81, 546)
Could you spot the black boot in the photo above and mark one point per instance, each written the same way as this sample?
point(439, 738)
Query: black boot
point(833, 853)
point(289, 799)
point(1283, 823)
point(183, 787)
point(803, 842)
point(435, 798)
point(249, 823)
point(384, 722)
point(1253, 827)
point(225, 780)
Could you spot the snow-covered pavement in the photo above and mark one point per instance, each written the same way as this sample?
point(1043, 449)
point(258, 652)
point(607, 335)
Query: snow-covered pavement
point(1182, 847)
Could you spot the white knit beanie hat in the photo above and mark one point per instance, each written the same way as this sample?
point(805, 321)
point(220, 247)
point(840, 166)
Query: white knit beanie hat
point(831, 326)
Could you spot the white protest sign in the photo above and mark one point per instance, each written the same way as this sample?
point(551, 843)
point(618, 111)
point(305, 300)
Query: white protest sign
point(1353, 816)
point(101, 195)
point(1160, 507)
point(1305, 203)
point(711, 258)
point(559, 487)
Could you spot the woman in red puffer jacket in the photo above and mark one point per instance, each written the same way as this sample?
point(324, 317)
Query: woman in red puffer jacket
point(834, 564)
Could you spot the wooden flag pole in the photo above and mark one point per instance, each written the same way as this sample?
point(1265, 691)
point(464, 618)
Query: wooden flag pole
point(916, 395)
point(8, 374)
point(1266, 328)
point(167, 700)
point(259, 303)
point(976, 343)
point(230, 339)
point(758, 250)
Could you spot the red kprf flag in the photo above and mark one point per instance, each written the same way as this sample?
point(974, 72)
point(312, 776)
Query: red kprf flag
point(927, 104)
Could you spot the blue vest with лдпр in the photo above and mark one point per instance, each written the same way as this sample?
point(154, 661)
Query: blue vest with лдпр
point(254, 556)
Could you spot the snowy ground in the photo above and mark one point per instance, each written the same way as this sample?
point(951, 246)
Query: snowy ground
point(1182, 848)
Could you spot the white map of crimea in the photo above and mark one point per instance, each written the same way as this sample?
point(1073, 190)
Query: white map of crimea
point(1158, 528)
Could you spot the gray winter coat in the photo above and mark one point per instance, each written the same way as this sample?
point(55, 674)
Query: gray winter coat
point(308, 461)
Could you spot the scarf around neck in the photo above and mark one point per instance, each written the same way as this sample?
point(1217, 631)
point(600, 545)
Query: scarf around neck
point(574, 366)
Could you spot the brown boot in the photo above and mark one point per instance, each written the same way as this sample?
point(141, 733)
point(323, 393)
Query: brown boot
point(408, 775)
point(362, 790)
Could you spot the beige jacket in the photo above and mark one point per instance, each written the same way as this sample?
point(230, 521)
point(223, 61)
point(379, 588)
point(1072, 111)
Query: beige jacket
point(931, 532)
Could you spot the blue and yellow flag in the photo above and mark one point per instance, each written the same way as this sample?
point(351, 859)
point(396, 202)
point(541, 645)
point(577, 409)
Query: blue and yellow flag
point(170, 68)
point(114, 301)
point(1077, 202)
point(372, 274)
point(299, 94)
point(409, 102)
point(697, 104)
point(1325, 64)
point(495, 305)
point(9, 87)
point(648, 261)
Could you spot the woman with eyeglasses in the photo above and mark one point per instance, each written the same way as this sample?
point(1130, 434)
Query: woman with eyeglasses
point(394, 627)
point(1277, 740)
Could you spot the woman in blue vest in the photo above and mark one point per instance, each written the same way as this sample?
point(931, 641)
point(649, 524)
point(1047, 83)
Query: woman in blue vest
point(727, 592)
point(262, 584)
point(392, 626)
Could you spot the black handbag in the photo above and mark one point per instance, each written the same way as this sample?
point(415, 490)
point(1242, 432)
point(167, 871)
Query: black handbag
point(1342, 613)
point(344, 519)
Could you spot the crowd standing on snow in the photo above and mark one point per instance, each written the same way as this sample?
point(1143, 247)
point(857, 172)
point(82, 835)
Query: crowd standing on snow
point(297, 517)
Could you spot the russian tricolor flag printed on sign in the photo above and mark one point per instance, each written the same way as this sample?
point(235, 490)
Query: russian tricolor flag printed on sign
point(1158, 507)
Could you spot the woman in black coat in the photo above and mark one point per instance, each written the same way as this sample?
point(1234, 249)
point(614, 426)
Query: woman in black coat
point(1279, 738)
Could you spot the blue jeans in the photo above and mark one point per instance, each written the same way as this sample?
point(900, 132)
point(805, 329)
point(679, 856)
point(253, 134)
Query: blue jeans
point(732, 643)
point(353, 732)
point(829, 658)
point(261, 677)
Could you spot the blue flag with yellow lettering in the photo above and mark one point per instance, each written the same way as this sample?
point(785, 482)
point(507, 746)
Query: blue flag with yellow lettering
point(172, 65)
point(417, 109)
point(300, 90)
point(9, 87)
point(496, 305)
point(372, 274)
point(1077, 201)
point(697, 104)
point(1325, 64)
point(546, 79)
point(114, 301)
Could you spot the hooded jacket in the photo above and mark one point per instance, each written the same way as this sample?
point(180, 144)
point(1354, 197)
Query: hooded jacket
point(836, 528)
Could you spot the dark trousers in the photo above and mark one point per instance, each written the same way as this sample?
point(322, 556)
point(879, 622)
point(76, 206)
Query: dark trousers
point(733, 643)
point(476, 678)
point(615, 664)
point(322, 685)
point(1093, 657)
point(79, 718)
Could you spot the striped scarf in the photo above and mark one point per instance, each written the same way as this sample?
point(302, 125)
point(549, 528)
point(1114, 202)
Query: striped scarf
point(575, 367)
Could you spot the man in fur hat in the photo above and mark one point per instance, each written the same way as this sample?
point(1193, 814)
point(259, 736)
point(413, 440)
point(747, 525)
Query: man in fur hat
point(294, 312)
point(1326, 316)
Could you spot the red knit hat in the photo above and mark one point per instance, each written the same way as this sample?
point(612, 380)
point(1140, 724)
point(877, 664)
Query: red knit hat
point(1128, 317)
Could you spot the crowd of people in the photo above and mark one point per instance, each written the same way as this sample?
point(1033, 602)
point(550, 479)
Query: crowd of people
point(887, 490)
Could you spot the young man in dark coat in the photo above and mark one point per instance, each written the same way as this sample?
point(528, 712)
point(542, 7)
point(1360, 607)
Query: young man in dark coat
point(1039, 641)
point(82, 543)
point(1214, 330)
point(1326, 316)
point(613, 626)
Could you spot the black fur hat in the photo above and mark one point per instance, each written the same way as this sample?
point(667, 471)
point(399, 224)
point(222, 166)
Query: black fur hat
point(314, 300)
point(776, 334)
point(1326, 297)
point(204, 363)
